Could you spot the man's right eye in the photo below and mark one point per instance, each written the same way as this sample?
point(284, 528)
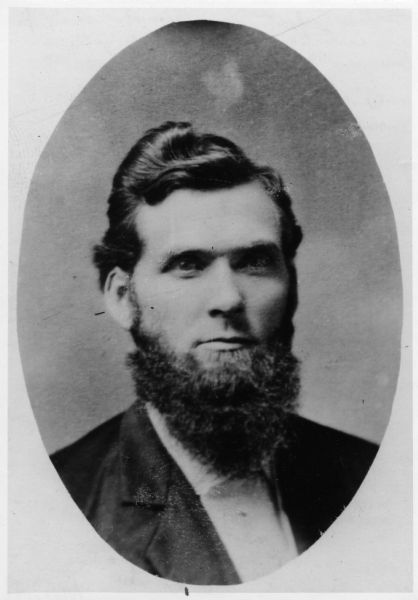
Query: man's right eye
point(186, 266)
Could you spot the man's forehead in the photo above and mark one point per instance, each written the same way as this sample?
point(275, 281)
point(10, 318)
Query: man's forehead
point(242, 215)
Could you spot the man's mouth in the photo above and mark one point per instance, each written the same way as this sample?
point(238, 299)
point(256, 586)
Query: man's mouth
point(225, 344)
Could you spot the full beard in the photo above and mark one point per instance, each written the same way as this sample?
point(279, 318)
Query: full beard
point(232, 416)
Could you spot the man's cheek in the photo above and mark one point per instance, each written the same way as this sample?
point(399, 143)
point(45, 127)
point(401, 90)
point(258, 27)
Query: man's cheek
point(171, 326)
point(266, 310)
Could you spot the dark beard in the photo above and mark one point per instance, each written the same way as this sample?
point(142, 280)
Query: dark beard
point(232, 417)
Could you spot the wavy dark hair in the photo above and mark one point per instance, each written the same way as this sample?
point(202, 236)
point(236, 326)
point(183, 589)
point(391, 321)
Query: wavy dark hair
point(174, 156)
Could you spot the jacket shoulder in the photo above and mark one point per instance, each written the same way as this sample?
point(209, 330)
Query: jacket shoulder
point(320, 472)
point(332, 446)
point(78, 463)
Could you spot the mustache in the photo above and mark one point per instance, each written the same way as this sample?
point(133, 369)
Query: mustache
point(231, 416)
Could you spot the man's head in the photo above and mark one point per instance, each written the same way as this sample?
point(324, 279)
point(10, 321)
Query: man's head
point(198, 264)
point(174, 158)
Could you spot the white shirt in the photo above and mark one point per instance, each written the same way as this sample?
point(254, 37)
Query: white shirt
point(256, 534)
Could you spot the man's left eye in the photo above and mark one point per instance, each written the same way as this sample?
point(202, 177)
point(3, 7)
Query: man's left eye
point(257, 262)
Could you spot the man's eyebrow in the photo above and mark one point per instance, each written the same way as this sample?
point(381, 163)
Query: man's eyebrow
point(271, 249)
point(258, 245)
point(175, 253)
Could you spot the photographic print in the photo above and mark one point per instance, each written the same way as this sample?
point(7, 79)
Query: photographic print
point(210, 304)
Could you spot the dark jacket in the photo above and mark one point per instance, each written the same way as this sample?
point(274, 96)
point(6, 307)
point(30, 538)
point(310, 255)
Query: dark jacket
point(139, 501)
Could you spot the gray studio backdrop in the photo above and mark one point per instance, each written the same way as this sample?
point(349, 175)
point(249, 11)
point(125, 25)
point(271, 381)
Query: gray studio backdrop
point(238, 82)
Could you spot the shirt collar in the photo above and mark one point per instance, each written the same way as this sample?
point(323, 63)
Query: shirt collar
point(200, 477)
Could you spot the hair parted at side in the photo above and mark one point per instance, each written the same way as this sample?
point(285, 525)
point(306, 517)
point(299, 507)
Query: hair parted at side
point(171, 157)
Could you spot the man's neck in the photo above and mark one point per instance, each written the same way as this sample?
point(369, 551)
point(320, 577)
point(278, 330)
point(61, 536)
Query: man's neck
point(200, 476)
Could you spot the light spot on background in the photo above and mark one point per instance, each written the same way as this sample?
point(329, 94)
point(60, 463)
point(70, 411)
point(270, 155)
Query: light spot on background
point(225, 84)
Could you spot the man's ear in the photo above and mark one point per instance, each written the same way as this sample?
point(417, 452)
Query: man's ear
point(118, 302)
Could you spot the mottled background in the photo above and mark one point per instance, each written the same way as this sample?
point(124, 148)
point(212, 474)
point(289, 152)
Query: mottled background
point(241, 83)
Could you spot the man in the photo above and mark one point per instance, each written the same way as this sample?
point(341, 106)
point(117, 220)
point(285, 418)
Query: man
point(211, 477)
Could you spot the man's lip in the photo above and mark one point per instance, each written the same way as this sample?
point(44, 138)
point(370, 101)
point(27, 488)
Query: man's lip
point(233, 341)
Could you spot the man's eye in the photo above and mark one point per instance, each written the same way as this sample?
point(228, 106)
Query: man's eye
point(187, 266)
point(260, 261)
point(257, 262)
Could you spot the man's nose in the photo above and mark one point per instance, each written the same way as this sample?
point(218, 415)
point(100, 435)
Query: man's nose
point(225, 297)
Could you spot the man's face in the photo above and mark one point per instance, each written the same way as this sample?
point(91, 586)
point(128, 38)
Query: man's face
point(211, 280)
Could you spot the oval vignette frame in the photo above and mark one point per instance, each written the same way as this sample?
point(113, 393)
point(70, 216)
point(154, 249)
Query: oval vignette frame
point(72, 146)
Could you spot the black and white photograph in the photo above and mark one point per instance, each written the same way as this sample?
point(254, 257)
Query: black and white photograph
point(210, 329)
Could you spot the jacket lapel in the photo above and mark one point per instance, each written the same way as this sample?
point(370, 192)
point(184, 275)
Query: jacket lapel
point(174, 536)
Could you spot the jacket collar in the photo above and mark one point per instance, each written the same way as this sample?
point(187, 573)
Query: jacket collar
point(145, 465)
point(179, 542)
